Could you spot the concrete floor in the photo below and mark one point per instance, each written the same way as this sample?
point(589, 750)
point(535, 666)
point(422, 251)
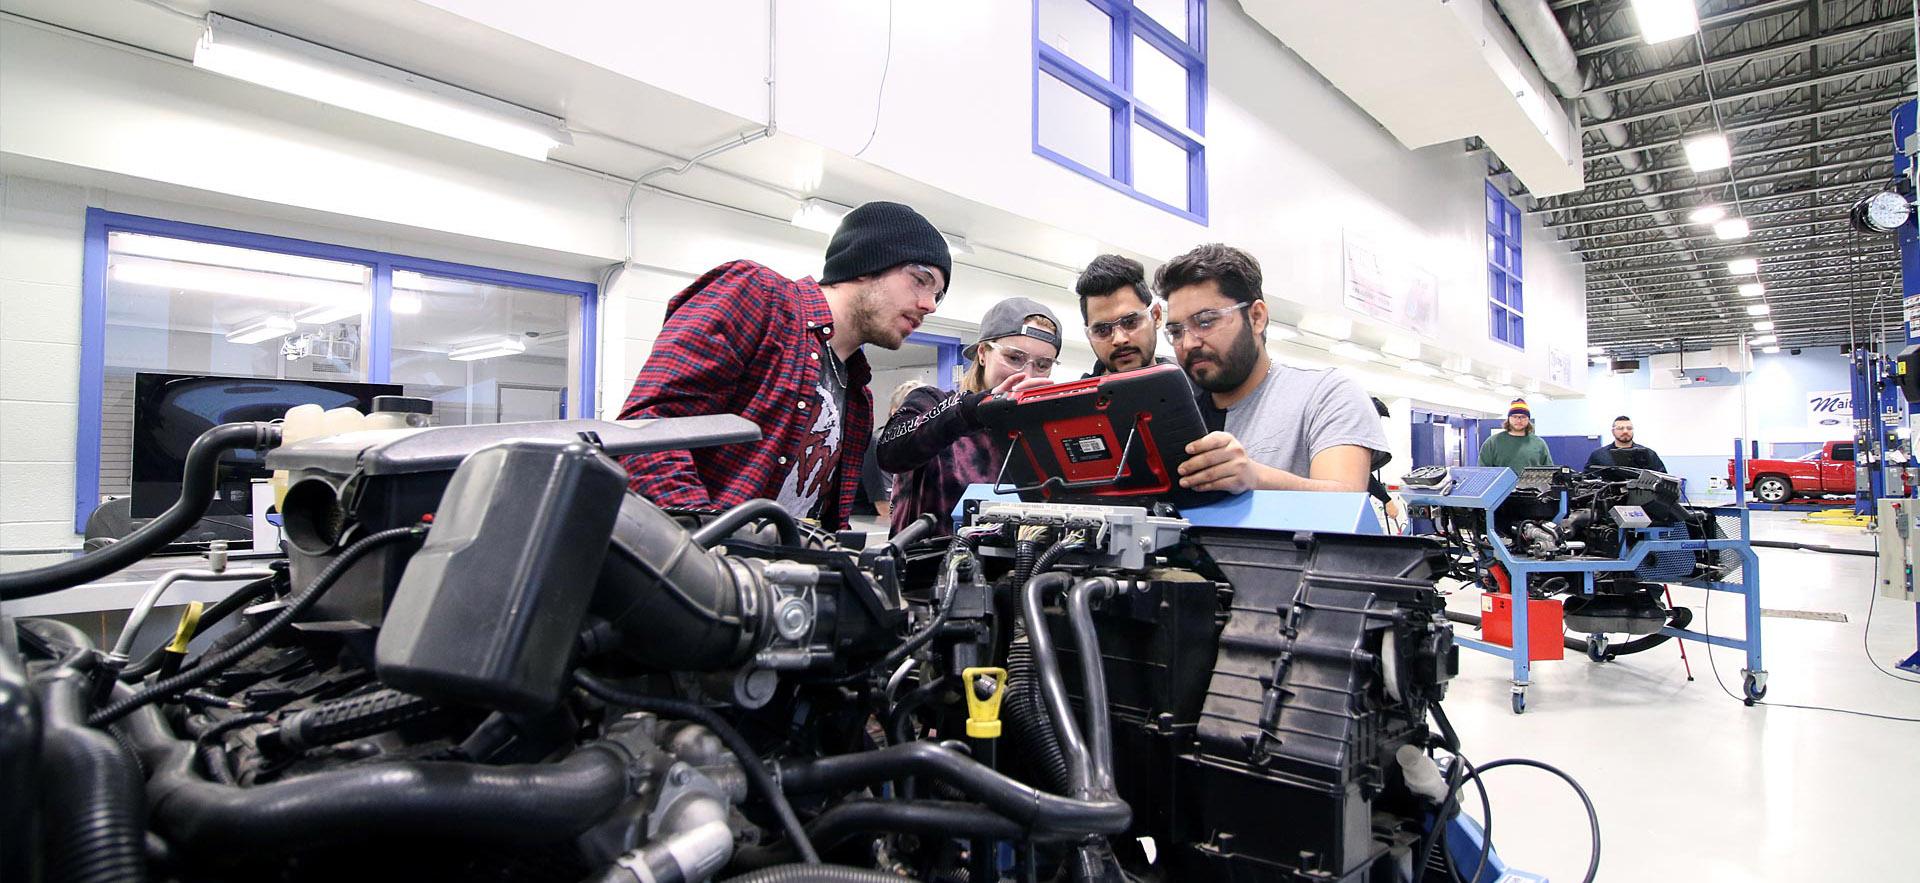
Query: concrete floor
point(1691, 784)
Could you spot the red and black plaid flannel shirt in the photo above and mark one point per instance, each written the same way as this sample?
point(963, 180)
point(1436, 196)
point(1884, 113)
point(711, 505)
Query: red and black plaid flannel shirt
point(745, 340)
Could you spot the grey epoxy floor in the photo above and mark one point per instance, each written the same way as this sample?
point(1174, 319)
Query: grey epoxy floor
point(1691, 784)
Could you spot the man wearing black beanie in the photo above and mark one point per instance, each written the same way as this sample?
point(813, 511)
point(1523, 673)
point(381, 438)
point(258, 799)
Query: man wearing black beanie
point(785, 354)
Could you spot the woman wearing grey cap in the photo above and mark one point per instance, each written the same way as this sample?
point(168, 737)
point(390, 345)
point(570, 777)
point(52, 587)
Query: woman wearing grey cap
point(936, 444)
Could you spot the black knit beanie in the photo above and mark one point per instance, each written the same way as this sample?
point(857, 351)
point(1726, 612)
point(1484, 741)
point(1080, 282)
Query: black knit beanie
point(880, 236)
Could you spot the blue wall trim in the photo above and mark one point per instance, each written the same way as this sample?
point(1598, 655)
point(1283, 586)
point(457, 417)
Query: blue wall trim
point(93, 317)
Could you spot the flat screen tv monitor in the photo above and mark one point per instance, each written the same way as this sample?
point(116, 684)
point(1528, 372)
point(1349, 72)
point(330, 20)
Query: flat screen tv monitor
point(171, 410)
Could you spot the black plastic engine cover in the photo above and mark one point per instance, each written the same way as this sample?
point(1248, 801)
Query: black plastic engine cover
point(487, 611)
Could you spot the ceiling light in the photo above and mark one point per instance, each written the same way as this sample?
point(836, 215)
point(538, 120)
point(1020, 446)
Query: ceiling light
point(1743, 266)
point(1707, 152)
point(487, 349)
point(1402, 347)
point(1277, 331)
point(263, 329)
point(1663, 20)
point(310, 70)
point(1596, 350)
point(227, 280)
point(327, 313)
point(1764, 340)
point(1758, 309)
point(957, 244)
point(404, 304)
point(1540, 398)
point(238, 258)
point(1353, 351)
point(1763, 326)
point(1731, 228)
point(1336, 327)
point(1469, 381)
point(1707, 214)
point(1421, 368)
point(1770, 350)
point(1752, 289)
point(1512, 392)
point(819, 215)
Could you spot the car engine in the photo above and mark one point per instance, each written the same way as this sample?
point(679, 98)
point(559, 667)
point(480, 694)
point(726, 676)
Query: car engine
point(483, 658)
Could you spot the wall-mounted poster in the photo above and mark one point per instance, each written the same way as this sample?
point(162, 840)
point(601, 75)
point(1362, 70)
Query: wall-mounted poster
point(1559, 366)
point(1387, 286)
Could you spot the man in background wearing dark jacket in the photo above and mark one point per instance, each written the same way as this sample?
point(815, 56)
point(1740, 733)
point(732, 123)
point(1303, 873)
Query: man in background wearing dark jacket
point(1623, 452)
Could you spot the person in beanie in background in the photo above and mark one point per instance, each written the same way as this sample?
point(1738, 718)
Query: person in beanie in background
point(1515, 446)
point(785, 354)
point(936, 444)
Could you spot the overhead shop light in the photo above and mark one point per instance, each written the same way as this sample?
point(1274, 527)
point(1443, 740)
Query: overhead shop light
point(1707, 152)
point(262, 330)
point(327, 314)
point(252, 284)
point(1758, 309)
point(1731, 228)
point(1277, 331)
point(1334, 327)
point(1469, 381)
point(310, 70)
point(1752, 289)
point(1743, 266)
point(1354, 351)
point(1770, 350)
point(215, 255)
point(487, 349)
point(819, 215)
point(1596, 350)
point(1420, 368)
point(1707, 214)
point(1663, 20)
point(1763, 326)
point(1764, 340)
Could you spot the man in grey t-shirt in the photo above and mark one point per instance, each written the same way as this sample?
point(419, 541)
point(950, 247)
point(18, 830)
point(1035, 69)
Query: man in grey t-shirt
point(1285, 428)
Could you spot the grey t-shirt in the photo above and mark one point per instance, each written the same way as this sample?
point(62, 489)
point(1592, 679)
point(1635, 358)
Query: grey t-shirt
point(1297, 413)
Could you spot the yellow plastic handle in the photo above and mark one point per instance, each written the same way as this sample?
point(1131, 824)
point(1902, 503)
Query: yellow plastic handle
point(983, 712)
point(182, 633)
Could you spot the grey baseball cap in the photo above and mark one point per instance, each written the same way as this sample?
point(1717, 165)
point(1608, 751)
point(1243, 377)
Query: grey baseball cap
point(1008, 318)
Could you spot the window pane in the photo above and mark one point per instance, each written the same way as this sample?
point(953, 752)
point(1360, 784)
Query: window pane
point(1513, 222)
point(1074, 125)
point(1513, 258)
point(1495, 217)
point(1496, 285)
point(1171, 14)
point(1159, 167)
point(1160, 82)
point(181, 307)
point(1496, 323)
point(484, 353)
point(1516, 331)
point(1080, 31)
point(1494, 249)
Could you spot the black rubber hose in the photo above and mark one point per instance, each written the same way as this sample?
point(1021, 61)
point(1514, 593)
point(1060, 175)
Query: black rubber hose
point(1809, 547)
point(915, 529)
point(815, 874)
point(57, 632)
point(1093, 675)
point(714, 532)
point(750, 762)
point(526, 804)
point(94, 801)
point(677, 607)
point(21, 728)
point(197, 480)
point(1031, 729)
point(240, 599)
point(931, 818)
point(1053, 688)
point(1023, 803)
point(900, 721)
point(296, 607)
point(1679, 617)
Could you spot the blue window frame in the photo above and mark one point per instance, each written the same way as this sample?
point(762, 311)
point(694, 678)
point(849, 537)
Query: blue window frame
point(379, 324)
point(1506, 301)
point(1153, 126)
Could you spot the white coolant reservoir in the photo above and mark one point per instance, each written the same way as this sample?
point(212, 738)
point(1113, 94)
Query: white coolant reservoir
point(303, 421)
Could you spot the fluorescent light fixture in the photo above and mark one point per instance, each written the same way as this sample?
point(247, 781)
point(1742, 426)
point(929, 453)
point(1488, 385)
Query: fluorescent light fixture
point(1763, 326)
point(1758, 309)
point(1596, 350)
point(957, 244)
point(310, 70)
point(327, 313)
point(262, 329)
point(1770, 350)
point(1764, 340)
point(1277, 331)
point(487, 349)
point(1420, 368)
point(1401, 347)
point(1707, 152)
point(227, 280)
point(189, 251)
point(1353, 351)
point(1752, 289)
point(1335, 327)
point(1707, 214)
point(1731, 228)
point(1663, 20)
point(1540, 398)
point(1743, 266)
point(819, 215)
point(404, 303)
point(1469, 381)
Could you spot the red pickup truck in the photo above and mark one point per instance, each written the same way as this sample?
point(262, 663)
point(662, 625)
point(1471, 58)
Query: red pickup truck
point(1828, 471)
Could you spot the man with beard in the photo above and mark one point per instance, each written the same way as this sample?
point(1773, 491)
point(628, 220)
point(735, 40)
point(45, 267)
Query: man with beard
point(1122, 319)
point(785, 354)
point(1278, 428)
point(1623, 451)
